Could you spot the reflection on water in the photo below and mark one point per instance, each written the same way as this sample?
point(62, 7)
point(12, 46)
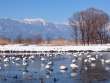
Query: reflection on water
point(78, 67)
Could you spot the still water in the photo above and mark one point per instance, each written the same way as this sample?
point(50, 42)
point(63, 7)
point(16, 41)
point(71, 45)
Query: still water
point(90, 67)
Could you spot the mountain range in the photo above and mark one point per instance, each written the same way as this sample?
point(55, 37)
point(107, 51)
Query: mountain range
point(33, 28)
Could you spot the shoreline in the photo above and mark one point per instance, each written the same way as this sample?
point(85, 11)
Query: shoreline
point(21, 47)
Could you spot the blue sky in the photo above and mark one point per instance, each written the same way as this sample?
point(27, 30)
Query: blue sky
point(51, 10)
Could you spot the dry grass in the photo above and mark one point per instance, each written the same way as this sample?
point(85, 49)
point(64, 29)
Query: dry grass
point(59, 42)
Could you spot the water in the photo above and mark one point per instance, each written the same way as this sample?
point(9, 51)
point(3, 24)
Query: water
point(22, 69)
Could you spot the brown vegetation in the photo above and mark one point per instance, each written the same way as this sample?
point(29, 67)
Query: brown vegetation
point(4, 41)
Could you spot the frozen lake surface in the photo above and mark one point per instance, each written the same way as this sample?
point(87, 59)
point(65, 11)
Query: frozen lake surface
point(73, 67)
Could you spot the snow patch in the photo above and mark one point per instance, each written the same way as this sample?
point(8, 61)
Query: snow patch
point(20, 47)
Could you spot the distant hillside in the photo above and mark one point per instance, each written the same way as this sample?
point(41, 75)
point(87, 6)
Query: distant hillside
point(33, 28)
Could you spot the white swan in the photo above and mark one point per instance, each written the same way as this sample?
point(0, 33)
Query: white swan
point(48, 67)
point(6, 60)
point(92, 59)
point(74, 60)
point(63, 67)
point(25, 63)
point(107, 61)
point(50, 63)
point(17, 59)
point(32, 57)
point(73, 66)
point(42, 59)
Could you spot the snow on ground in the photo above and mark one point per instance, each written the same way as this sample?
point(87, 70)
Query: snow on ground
point(21, 47)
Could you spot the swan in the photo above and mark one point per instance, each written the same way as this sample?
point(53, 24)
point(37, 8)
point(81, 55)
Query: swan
point(107, 61)
point(48, 67)
point(73, 66)
point(63, 67)
point(12, 58)
point(32, 57)
point(50, 63)
point(92, 59)
point(74, 60)
point(17, 59)
point(42, 59)
point(6, 60)
point(88, 56)
point(25, 63)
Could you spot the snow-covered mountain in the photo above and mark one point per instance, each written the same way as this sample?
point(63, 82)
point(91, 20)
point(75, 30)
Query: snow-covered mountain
point(31, 28)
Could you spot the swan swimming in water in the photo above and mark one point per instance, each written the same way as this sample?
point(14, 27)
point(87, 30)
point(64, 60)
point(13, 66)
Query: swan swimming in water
point(73, 66)
point(6, 59)
point(63, 67)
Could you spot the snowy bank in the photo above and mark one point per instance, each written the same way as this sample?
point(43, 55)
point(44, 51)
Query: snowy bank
point(20, 47)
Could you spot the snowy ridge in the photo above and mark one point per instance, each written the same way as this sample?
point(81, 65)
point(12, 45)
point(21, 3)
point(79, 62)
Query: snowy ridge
point(34, 21)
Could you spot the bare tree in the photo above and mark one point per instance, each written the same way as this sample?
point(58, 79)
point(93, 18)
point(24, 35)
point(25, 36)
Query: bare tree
point(74, 22)
point(92, 25)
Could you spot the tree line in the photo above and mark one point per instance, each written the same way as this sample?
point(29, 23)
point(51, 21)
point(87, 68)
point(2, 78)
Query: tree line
point(90, 26)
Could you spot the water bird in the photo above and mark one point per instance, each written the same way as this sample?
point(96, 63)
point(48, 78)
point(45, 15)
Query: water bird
point(25, 63)
point(42, 59)
point(6, 59)
point(92, 59)
point(48, 66)
point(50, 63)
point(63, 67)
point(107, 61)
point(74, 66)
point(32, 57)
point(17, 59)
point(74, 60)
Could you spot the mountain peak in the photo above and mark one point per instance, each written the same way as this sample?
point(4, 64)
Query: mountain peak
point(34, 21)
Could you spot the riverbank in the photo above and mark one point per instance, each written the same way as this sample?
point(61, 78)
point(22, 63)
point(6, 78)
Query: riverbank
point(22, 47)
